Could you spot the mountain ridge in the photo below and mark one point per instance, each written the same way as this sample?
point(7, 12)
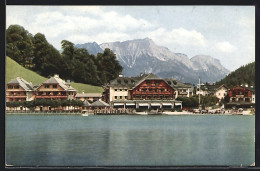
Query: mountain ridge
point(143, 55)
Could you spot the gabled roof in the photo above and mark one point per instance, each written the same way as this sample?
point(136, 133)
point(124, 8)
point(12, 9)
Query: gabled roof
point(99, 103)
point(149, 76)
point(23, 83)
point(223, 85)
point(86, 103)
point(177, 84)
point(57, 80)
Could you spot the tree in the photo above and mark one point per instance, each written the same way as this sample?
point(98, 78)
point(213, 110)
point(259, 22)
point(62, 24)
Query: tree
point(19, 45)
point(108, 66)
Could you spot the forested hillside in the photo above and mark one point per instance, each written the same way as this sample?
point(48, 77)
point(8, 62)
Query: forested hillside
point(243, 75)
point(35, 53)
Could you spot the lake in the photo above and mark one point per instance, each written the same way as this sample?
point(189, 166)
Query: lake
point(130, 140)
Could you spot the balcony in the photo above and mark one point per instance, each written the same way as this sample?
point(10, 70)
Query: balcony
point(16, 96)
point(50, 97)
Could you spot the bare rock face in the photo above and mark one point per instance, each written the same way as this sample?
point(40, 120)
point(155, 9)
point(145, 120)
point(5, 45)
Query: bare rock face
point(143, 55)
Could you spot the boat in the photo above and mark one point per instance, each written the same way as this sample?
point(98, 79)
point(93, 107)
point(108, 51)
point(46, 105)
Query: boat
point(84, 113)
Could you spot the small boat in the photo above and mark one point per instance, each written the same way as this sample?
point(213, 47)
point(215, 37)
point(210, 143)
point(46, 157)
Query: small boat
point(84, 113)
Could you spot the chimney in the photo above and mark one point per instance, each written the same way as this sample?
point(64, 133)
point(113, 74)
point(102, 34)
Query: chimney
point(56, 75)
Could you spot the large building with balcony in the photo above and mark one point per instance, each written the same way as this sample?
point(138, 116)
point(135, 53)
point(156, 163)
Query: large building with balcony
point(146, 91)
point(55, 88)
point(19, 89)
point(241, 96)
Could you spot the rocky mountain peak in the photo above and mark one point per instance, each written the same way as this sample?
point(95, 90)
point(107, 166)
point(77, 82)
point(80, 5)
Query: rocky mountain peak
point(143, 55)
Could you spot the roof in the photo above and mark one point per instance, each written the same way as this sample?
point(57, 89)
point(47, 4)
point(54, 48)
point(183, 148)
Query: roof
point(57, 80)
point(89, 95)
point(128, 82)
point(177, 84)
point(23, 83)
point(132, 82)
point(99, 103)
point(223, 85)
point(86, 103)
point(149, 76)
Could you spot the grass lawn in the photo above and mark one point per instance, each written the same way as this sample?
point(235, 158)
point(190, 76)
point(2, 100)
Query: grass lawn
point(13, 70)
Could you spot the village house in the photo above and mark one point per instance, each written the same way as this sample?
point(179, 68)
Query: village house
point(241, 96)
point(55, 88)
point(181, 89)
point(88, 96)
point(221, 92)
point(146, 91)
point(19, 89)
point(206, 89)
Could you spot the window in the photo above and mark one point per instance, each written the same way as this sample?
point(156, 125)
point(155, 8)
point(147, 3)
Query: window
point(125, 89)
point(149, 96)
point(47, 86)
point(54, 86)
point(120, 89)
point(150, 89)
point(18, 93)
point(137, 96)
point(143, 96)
point(125, 97)
point(16, 87)
point(161, 96)
point(115, 97)
point(10, 87)
point(120, 97)
point(55, 93)
point(48, 93)
point(148, 82)
point(115, 89)
point(155, 96)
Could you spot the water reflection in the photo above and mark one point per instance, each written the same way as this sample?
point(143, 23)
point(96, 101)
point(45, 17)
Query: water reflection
point(130, 141)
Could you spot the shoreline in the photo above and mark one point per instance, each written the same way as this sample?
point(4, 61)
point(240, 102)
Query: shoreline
point(135, 113)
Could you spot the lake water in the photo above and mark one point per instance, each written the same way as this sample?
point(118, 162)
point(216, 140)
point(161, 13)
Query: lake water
point(130, 140)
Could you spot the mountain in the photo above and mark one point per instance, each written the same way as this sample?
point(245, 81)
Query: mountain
point(93, 48)
point(143, 55)
point(13, 70)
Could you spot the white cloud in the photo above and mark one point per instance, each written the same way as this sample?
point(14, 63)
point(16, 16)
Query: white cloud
point(225, 47)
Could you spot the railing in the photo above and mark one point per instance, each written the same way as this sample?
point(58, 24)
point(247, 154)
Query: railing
point(50, 96)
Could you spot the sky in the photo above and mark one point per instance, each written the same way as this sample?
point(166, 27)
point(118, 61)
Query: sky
point(226, 33)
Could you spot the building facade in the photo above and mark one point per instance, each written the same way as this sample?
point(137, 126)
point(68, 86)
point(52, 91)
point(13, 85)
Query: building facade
point(240, 94)
point(55, 89)
point(146, 91)
point(19, 89)
point(221, 92)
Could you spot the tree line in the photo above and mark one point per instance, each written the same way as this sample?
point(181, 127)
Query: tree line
point(44, 102)
point(75, 64)
point(243, 75)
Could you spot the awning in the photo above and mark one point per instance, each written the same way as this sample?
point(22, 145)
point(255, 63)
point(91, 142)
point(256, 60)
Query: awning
point(155, 104)
point(167, 104)
point(130, 104)
point(118, 104)
point(143, 104)
point(177, 104)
